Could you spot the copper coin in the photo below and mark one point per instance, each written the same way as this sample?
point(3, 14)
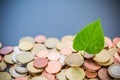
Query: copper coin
point(103, 74)
point(42, 54)
point(48, 75)
point(21, 78)
point(90, 74)
point(6, 50)
point(116, 61)
point(116, 39)
point(40, 62)
point(53, 67)
point(88, 56)
point(117, 56)
point(66, 51)
point(91, 65)
point(40, 39)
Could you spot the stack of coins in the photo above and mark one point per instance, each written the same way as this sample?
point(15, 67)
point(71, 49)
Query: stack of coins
point(42, 58)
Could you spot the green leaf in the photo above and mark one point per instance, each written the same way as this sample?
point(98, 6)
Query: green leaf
point(90, 38)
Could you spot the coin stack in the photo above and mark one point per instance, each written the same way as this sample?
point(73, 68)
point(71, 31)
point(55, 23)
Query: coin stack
point(42, 58)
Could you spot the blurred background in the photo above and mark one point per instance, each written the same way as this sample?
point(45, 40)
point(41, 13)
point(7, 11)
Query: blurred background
point(55, 18)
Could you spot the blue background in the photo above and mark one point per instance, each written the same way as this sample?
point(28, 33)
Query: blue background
point(55, 18)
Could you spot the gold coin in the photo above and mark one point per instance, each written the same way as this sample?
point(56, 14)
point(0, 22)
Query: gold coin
point(25, 46)
point(32, 69)
point(8, 58)
point(75, 73)
point(0, 44)
point(94, 79)
point(61, 75)
point(105, 45)
point(28, 39)
point(107, 63)
point(24, 57)
point(118, 44)
point(39, 78)
point(37, 48)
point(5, 76)
point(67, 38)
point(3, 65)
point(51, 42)
point(112, 51)
point(102, 57)
point(74, 60)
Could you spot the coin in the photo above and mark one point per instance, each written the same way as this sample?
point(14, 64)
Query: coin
point(117, 56)
point(16, 49)
point(48, 75)
point(94, 79)
point(21, 69)
point(61, 75)
point(6, 50)
point(1, 58)
point(51, 42)
point(15, 74)
point(42, 54)
point(62, 45)
point(74, 60)
point(8, 59)
point(103, 56)
point(62, 59)
point(25, 45)
point(40, 62)
point(75, 73)
point(3, 65)
point(104, 71)
point(13, 56)
point(108, 41)
point(53, 56)
point(114, 70)
point(91, 65)
point(37, 48)
point(66, 51)
point(90, 74)
point(88, 56)
point(40, 39)
point(112, 51)
point(118, 44)
point(116, 39)
point(53, 67)
point(32, 69)
point(107, 63)
point(39, 78)
point(5, 76)
point(28, 39)
point(24, 57)
point(67, 38)
point(21, 78)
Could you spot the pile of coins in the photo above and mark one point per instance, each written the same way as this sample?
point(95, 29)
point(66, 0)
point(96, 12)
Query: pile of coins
point(42, 58)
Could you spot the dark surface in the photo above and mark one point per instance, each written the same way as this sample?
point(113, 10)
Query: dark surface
point(55, 18)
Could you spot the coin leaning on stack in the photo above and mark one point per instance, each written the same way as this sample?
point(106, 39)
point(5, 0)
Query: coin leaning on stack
point(42, 58)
